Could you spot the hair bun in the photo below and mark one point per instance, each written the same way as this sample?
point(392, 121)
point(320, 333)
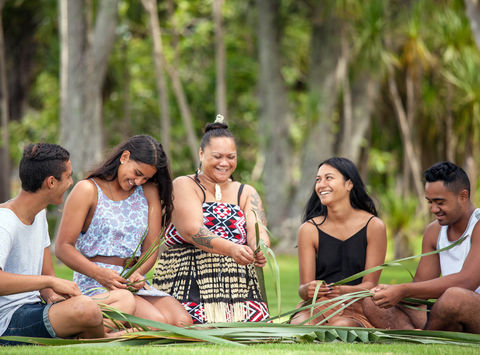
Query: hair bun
point(218, 124)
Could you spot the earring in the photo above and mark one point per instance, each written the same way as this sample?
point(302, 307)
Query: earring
point(199, 170)
point(121, 162)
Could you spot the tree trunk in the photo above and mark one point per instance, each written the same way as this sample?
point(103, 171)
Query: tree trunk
point(20, 26)
point(402, 247)
point(221, 86)
point(151, 7)
point(184, 111)
point(413, 159)
point(174, 32)
point(472, 10)
point(326, 70)
point(102, 45)
point(365, 90)
point(127, 102)
point(347, 117)
point(4, 151)
point(274, 118)
point(178, 91)
point(450, 137)
point(470, 161)
point(73, 29)
point(83, 70)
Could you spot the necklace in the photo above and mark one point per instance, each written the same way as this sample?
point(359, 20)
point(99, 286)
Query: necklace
point(218, 192)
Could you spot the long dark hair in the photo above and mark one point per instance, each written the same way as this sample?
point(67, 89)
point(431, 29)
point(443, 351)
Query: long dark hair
point(359, 198)
point(147, 150)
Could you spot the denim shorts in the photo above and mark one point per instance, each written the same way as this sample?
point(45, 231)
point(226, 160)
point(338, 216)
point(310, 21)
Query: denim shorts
point(30, 320)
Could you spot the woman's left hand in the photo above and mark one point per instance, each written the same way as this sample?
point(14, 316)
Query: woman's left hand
point(136, 281)
point(334, 291)
point(260, 259)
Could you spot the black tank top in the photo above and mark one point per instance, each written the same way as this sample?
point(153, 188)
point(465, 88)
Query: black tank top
point(338, 259)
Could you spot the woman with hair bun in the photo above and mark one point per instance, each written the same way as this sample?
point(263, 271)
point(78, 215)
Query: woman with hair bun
point(209, 261)
point(341, 235)
point(105, 218)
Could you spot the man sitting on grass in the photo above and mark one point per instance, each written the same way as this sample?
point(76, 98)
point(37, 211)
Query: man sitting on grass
point(26, 270)
point(447, 191)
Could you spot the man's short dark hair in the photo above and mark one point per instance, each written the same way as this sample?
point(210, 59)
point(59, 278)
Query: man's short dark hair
point(40, 161)
point(454, 177)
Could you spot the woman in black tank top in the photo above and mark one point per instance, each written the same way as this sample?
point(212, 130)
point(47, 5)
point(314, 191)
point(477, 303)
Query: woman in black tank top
point(341, 236)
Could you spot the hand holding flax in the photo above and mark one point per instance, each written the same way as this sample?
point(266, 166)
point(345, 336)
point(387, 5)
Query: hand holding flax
point(260, 259)
point(242, 254)
point(136, 281)
point(64, 288)
point(109, 278)
point(386, 296)
point(50, 296)
point(307, 291)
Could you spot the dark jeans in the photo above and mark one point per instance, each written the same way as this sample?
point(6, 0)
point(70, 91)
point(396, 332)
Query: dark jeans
point(30, 320)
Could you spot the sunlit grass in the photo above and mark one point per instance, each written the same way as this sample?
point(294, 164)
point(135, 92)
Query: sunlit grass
point(267, 349)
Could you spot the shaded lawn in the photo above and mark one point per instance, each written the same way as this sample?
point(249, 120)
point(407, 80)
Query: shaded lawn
point(289, 285)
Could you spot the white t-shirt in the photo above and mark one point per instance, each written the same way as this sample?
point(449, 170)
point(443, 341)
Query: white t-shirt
point(451, 260)
point(21, 252)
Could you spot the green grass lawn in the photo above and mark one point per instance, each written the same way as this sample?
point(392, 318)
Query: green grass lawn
point(289, 299)
point(261, 349)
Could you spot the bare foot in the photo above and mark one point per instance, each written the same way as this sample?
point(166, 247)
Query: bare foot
point(120, 333)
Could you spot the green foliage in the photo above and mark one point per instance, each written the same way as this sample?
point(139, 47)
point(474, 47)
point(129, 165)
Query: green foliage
point(431, 38)
point(40, 123)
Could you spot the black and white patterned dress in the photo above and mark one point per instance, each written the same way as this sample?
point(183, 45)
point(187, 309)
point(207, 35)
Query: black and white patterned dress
point(212, 287)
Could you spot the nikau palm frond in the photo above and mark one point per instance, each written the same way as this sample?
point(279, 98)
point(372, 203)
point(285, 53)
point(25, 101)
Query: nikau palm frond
point(239, 334)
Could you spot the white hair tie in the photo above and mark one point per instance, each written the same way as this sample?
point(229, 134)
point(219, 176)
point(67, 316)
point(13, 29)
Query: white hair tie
point(219, 119)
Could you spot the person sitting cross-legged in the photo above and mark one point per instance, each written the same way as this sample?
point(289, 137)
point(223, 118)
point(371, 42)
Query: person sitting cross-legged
point(26, 270)
point(447, 190)
point(341, 236)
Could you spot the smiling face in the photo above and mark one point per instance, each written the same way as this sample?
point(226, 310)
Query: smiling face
point(219, 159)
point(330, 185)
point(447, 206)
point(132, 173)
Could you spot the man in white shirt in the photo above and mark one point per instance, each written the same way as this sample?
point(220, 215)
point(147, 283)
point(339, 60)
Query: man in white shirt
point(447, 190)
point(26, 270)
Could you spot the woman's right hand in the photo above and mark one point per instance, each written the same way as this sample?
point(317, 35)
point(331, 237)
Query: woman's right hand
point(308, 289)
point(110, 279)
point(242, 254)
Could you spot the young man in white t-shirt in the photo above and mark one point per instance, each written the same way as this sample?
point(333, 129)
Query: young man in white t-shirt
point(33, 302)
point(447, 190)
